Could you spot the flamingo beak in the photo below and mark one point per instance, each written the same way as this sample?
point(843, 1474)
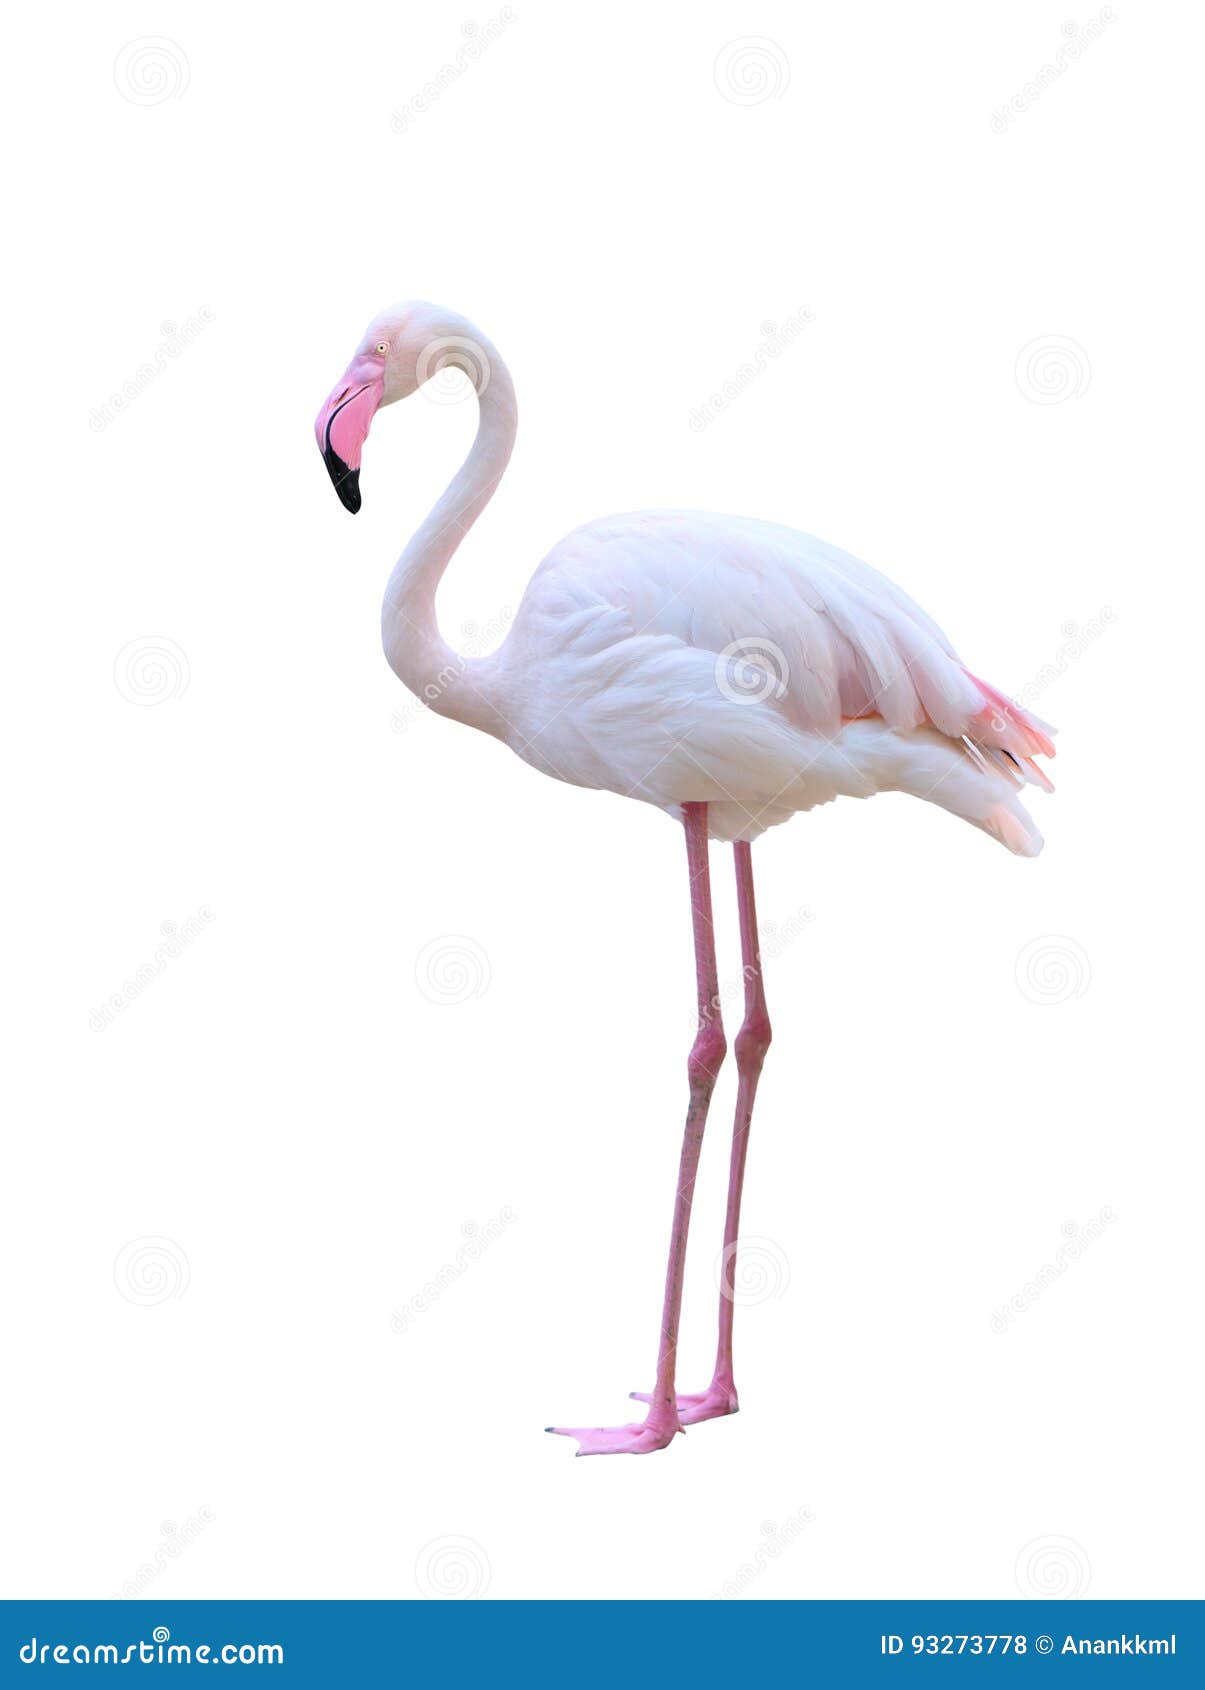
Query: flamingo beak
point(343, 422)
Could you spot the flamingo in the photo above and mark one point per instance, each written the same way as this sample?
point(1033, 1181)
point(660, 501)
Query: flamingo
point(729, 671)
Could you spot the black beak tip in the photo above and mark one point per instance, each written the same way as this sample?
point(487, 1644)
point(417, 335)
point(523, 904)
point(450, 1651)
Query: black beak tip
point(347, 481)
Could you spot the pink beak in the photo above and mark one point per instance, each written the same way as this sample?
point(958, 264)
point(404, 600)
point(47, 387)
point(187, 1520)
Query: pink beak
point(343, 422)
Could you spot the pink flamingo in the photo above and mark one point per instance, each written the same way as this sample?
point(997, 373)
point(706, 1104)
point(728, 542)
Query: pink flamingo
point(727, 670)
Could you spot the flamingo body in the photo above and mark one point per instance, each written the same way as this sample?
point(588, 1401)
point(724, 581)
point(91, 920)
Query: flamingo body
point(682, 656)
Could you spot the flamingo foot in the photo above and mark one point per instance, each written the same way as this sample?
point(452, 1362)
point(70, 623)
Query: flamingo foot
point(694, 1406)
point(637, 1438)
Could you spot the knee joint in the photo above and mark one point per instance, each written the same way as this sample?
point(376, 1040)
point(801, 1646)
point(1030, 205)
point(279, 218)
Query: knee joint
point(706, 1055)
point(753, 1041)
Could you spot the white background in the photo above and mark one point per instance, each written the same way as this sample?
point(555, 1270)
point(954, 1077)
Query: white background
point(975, 1055)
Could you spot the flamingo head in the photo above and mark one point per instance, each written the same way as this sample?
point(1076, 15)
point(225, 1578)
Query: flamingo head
point(398, 351)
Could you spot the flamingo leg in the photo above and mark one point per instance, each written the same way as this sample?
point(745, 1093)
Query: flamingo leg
point(662, 1421)
point(752, 1042)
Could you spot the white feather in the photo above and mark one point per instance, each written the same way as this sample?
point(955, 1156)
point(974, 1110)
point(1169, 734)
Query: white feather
point(614, 676)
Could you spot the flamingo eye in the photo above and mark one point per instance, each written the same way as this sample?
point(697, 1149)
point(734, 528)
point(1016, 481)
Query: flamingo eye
point(382, 347)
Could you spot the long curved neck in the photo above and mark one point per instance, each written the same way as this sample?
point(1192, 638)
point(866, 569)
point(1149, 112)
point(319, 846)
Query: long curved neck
point(448, 682)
